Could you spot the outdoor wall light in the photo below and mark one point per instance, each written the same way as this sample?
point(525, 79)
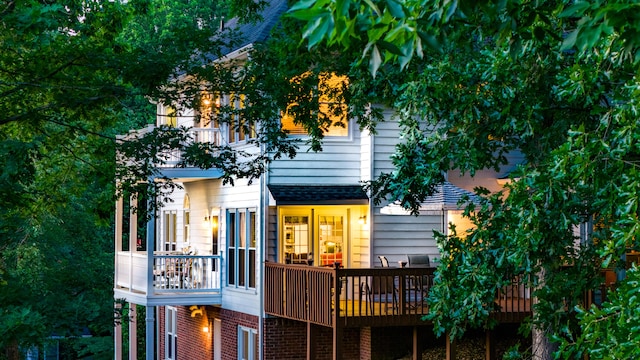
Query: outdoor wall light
point(362, 220)
point(206, 99)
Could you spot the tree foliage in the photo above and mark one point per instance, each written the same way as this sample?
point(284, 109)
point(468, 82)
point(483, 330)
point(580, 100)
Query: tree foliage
point(554, 81)
point(73, 75)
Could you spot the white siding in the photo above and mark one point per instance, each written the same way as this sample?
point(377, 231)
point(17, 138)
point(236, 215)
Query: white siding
point(211, 194)
point(396, 236)
point(338, 163)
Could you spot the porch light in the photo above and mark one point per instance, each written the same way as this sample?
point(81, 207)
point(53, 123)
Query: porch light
point(362, 220)
point(214, 222)
point(205, 329)
point(206, 100)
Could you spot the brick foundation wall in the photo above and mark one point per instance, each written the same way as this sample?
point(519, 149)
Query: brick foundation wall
point(365, 343)
point(284, 339)
point(287, 340)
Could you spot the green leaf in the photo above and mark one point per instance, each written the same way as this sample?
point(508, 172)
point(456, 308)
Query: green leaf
point(395, 8)
point(301, 5)
point(390, 47)
point(430, 40)
point(577, 9)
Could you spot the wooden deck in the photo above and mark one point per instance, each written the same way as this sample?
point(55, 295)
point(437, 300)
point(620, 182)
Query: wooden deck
point(366, 297)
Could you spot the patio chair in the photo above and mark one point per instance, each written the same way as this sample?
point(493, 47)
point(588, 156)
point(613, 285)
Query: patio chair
point(418, 260)
point(419, 285)
point(383, 261)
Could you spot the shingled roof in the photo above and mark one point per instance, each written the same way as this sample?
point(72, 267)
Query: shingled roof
point(318, 194)
point(260, 31)
point(446, 197)
point(254, 32)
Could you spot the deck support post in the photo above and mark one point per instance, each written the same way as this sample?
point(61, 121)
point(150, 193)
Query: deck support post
point(150, 337)
point(117, 333)
point(417, 345)
point(337, 342)
point(489, 348)
point(311, 341)
point(451, 348)
point(133, 333)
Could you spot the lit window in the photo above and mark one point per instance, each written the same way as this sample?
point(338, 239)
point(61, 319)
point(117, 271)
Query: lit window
point(208, 112)
point(169, 116)
point(330, 107)
point(238, 128)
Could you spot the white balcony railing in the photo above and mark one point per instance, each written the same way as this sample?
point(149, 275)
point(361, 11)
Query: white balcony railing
point(174, 157)
point(185, 273)
point(197, 135)
point(166, 279)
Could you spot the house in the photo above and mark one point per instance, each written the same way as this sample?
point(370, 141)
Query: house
point(253, 270)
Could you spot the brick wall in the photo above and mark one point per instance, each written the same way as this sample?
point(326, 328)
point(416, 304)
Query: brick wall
point(284, 339)
point(230, 322)
point(287, 340)
point(193, 342)
point(365, 343)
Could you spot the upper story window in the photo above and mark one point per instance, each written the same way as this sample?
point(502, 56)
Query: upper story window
point(241, 251)
point(168, 116)
point(238, 128)
point(332, 111)
point(207, 116)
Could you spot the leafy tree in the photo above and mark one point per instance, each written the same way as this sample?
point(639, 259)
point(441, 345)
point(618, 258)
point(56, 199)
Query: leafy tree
point(555, 81)
point(73, 75)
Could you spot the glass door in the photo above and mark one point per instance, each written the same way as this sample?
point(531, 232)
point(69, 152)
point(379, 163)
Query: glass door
point(331, 231)
point(296, 239)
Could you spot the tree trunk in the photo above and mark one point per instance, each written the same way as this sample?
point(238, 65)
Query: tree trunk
point(542, 347)
point(11, 351)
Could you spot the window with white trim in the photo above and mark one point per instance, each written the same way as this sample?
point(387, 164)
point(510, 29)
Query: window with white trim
point(171, 333)
point(238, 128)
point(170, 222)
point(247, 343)
point(168, 116)
point(241, 250)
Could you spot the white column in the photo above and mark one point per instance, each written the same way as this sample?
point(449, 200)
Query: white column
point(133, 333)
point(150, 333)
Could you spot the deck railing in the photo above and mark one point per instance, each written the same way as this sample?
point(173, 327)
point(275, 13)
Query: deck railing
point(366, 297)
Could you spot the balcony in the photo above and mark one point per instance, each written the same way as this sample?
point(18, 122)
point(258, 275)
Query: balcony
point(169, 162)
point(366, 297)
point(167, 279)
